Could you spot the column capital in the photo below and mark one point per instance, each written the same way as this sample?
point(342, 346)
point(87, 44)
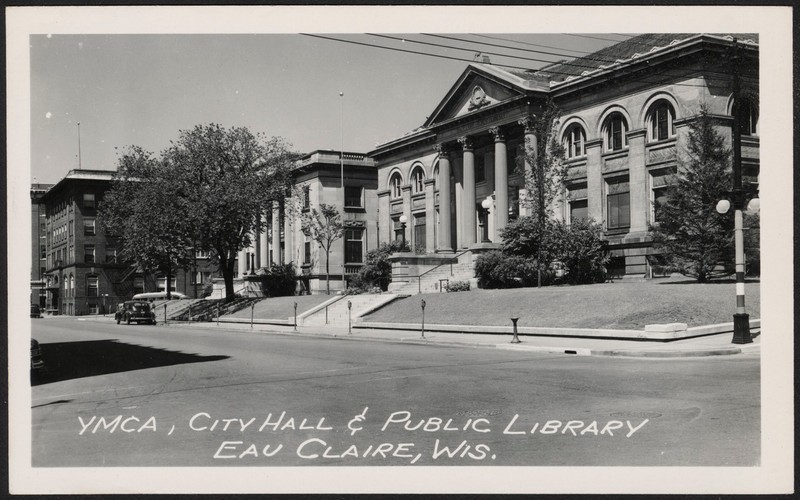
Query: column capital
point(442, 148)
point(528, 122)
point(498, 133)
point(466, 143)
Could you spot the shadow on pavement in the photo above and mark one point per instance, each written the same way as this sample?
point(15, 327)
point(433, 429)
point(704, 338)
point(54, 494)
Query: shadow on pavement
point(70, 360)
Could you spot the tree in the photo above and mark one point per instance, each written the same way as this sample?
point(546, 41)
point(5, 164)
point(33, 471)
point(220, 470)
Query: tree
point(323, 226)
point(544, 180)
point(693, 237)
point(227, 178)
point(147, 211)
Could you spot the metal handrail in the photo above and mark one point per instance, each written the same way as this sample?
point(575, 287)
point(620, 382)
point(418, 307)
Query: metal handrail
point(419, 277)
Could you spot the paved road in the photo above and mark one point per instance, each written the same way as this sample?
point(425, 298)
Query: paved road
point(196, 396)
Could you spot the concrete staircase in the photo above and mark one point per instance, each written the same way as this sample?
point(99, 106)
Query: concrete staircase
point(337, 310)
point(433, 280)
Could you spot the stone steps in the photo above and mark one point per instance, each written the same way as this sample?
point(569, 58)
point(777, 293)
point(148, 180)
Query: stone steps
point(338, 312)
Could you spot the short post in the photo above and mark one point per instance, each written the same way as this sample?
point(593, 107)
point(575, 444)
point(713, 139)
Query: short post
point(516, 339)
point(217, 313)
point(165, 314)
point(349, 321)
point(252, 312)
point(295, 316)
point(422, 303)
point(326, 315)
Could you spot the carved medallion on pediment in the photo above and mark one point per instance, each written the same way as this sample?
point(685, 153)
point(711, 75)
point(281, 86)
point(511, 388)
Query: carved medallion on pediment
point(478, 99)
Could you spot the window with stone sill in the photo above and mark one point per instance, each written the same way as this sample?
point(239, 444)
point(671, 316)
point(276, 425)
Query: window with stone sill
point(661, 121)
point(574, 141)
point(395, 185)
point(353, 197)
point(615, 131)
point(418, 180)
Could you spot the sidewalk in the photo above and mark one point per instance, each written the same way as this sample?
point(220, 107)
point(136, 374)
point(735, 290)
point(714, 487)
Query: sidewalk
point(711, 345)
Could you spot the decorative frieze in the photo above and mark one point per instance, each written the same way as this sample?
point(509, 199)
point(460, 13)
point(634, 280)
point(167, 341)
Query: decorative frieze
point(661, 155)
point(615, 163)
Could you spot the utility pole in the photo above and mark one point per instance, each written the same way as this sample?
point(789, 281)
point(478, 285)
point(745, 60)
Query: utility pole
point(79, 145)
point(741, 320)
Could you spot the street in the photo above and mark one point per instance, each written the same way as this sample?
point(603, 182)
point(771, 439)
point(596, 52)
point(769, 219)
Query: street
point(128, 395)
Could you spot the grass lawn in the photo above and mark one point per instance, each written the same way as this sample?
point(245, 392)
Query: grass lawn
point(617, 305)
point(282, 307)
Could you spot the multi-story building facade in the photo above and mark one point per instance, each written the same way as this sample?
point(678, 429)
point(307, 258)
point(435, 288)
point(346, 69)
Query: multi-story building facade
point(38, 244)
point(83, 271)
point(625, 113)
point(317, 179)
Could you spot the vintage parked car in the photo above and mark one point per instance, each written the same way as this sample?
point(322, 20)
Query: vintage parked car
point(36, 311)
point(135, 311)
point(37, 363)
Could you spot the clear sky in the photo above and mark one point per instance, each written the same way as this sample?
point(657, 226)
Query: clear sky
point(142, 89)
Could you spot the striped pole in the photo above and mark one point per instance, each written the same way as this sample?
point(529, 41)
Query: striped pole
point(741, 321)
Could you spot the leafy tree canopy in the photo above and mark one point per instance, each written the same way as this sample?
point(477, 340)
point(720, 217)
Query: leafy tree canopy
point(695, 239)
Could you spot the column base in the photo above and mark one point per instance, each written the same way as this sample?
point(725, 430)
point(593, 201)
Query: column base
point(741, 329)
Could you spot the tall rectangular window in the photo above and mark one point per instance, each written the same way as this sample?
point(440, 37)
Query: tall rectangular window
point(88, 253)
point(111, 254)
point(88, 226)
point(89, 201)
point(578, 209)
point(618, 203)
point(419, 232)
point(92, 286)
point(306, 198)
point(354, 246)
point(162, 284)
point(578, 203)
point(352, 197)
point(480, 168)
point(307, 253)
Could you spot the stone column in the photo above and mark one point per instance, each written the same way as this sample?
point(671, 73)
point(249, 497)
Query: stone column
point(263, 244)
point(386, 231)
point(500, 181)
point(445, 243)
point(241, 262)
point(530, 163)
point(288, 236)
point(637, 182)
point(468, 200)
point(276, 232)
point(430, 216)
point(594, 179)
point(409, 230)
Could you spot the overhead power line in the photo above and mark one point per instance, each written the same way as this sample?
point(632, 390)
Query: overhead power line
point(476, 50)
point(581, 52)
point(724, 78)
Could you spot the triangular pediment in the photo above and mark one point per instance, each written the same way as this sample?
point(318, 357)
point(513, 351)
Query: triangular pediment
point(476, 89)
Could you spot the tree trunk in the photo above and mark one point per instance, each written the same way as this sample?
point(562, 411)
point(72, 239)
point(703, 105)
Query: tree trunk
point(226, 266)
point(169, 280)
point(328, 269)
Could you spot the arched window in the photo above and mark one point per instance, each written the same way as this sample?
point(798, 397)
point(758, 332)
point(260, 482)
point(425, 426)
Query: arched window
point(436, 176)
point(661, 121)
point(615, 131)
point(574, 140)
point(418, 180)
point(395, 183)
point(748, 117)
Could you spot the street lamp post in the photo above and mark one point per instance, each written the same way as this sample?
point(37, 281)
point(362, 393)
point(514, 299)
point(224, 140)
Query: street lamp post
point(741, 320)
point(403, 221)
point(486, 204)
point(341, 172)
